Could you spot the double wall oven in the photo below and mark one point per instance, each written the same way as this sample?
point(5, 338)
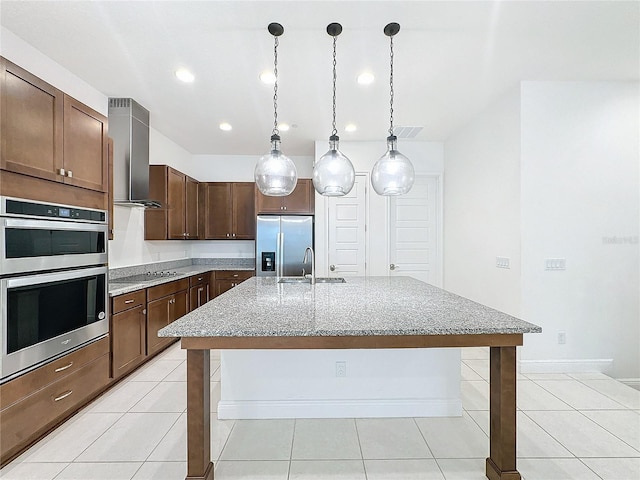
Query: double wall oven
point(53, 281)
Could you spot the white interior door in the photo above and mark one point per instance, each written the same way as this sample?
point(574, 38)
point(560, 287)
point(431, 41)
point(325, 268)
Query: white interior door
point(413, 232)
point(346, 231)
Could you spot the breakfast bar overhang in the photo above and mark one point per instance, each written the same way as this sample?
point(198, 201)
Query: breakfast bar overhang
point(364, 313)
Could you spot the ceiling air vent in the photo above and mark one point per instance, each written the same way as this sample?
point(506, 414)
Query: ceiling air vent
point(406, 132)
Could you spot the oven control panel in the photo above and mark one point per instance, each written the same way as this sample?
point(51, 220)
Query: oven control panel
point(26, 208)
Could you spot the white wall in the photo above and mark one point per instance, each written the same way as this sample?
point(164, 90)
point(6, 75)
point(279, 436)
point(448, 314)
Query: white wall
point(580, 186)
point(551, 170)
point(427, 158)
point(482, 207)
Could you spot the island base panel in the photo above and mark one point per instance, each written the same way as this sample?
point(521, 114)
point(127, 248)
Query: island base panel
point(199, 466)
point(501, 464)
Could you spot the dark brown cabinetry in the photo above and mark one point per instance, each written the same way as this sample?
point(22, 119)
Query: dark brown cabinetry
point(300, 201)
point(199, 290)
point(35, 402)
point(110, 192)
point(229, 210)
point(165, 303)
point(227, 279)
point(178, 217)
point(50, 135)
point(128, 332)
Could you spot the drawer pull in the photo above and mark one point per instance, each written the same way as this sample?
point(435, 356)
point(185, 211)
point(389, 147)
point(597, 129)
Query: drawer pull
point(62, 369)
point(235, 275)
point(199, 279)
point(63, 396)
point(128, 301)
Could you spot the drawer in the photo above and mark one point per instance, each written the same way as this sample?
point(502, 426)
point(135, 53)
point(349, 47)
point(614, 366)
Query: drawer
point(23, 422)
point(159, 291)
point(239, 275)
point(128, 300)
point(200, 279)
point(33, 381)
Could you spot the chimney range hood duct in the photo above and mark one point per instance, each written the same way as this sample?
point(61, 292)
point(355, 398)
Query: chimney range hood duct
point(129, 128)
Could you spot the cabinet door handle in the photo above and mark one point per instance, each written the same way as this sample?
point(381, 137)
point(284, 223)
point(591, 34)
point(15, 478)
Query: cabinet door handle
point(235, 274)
point(332, 268)
point(199, 279)
point(144, 311)
point(69, 174)
point(62, 369)
point(233, 235)
point(227, 235)
point(62, 171)
point(128, 301)
point(63, 396)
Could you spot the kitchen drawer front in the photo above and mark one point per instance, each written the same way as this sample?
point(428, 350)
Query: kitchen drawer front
point(239, 275)
point(165, 289)
point(25, 385)
point(128, 300)
point(21, 423)
point(199, 279)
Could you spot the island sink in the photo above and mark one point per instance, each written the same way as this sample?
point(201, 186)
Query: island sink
point(308, 280)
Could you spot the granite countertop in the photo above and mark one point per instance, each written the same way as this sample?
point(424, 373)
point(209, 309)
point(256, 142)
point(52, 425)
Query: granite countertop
point(363, 306)
point(119, 286)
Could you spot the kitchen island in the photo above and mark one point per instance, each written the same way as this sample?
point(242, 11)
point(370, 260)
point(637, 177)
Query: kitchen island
point(371, 313)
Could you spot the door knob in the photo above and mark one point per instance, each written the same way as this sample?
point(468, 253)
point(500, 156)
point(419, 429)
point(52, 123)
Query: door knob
point(393, 266)
point(332, 268)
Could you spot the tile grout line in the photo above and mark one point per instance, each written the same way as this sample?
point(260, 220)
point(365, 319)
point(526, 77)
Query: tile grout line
point(293, 439)
point(364, 467)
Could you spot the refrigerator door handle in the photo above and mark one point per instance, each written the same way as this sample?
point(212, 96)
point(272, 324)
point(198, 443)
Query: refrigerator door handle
point(279, 254)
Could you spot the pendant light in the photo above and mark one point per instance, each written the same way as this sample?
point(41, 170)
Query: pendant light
point(333, 173)
point(275, 173)
point(393, 173)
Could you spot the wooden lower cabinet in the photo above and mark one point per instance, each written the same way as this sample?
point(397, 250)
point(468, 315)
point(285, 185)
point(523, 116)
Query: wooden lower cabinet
point(128, 330)
point(37, 401)
point(227, 279)
point(164, 310)
point(199, 290)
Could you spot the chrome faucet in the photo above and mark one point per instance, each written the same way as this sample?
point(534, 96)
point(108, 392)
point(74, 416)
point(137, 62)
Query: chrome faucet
point(313, 264)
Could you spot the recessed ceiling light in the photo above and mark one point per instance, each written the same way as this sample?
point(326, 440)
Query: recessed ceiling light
point(351, 127)
point(366, 78)
point(226, 126)
point(185, 75)
point(283, 127)
point(268, 77)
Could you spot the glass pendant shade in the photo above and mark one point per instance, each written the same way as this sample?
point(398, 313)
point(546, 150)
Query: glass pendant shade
point(393, 173)
point(333, 174)
point(275, 173)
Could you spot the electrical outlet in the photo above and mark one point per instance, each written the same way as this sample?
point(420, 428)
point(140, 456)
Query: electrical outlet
point(341, 369)
point(562, 338)
point(502, 262)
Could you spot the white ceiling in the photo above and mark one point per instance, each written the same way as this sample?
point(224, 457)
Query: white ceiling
point(452, 58)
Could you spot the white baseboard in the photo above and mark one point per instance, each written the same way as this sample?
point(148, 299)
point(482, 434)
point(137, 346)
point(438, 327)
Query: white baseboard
point(602, 365)
point(632, 382)
point(339, 408)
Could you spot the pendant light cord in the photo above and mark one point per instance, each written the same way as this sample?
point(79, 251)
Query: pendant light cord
point(391, 87)
point(275, 87)
point(334, 131)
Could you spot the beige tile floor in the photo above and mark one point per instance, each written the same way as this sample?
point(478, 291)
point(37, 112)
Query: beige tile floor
point(581, 427)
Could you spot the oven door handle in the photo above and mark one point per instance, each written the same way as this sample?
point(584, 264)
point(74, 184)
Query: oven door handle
point(54, 225)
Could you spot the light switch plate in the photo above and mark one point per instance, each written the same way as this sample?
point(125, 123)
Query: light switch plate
point(502, 262)
point(555, 263)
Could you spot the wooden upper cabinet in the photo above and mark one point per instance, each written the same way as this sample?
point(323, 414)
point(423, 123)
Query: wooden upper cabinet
point(191, 208)
point(300, 201)
point(48, 134)
point(176, 184)
point(229, 212)
point(31, 124)
point(85, 146)
point(178, 195)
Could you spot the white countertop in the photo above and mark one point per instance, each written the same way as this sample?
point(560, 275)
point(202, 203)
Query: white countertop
point(363, 306)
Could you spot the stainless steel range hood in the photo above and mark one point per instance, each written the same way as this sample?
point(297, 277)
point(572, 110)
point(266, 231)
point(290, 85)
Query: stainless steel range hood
point(129, 128)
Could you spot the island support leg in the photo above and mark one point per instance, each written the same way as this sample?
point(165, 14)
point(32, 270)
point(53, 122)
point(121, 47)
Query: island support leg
point(501, 464)
point(199, 466)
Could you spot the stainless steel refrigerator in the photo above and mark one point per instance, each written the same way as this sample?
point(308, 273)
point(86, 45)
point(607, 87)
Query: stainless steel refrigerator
point(280, 245)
